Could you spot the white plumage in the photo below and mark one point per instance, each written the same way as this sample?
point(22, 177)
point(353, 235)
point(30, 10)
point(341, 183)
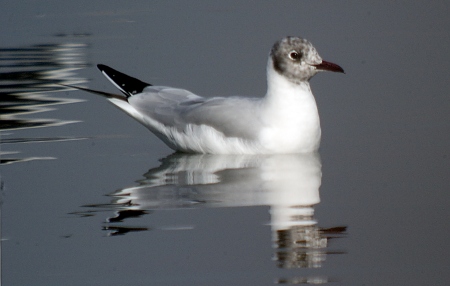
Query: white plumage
point(285, 120)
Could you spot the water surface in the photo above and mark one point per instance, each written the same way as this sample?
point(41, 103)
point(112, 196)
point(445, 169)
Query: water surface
point(90, 197)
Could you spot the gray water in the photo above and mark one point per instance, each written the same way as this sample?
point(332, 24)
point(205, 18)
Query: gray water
point(90, 197)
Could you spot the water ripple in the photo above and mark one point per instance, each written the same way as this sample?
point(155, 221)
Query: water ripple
point(28, 77)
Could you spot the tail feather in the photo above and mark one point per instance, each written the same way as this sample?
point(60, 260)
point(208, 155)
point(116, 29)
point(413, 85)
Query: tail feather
point(102, 93)
point(119, 101)
point(126, 84)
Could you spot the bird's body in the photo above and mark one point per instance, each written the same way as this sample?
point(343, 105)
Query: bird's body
point(285, 120)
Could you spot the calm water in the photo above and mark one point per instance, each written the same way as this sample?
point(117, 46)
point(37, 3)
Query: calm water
point(90, 197)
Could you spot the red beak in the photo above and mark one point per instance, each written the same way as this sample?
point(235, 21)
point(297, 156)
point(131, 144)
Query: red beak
point(327, 66)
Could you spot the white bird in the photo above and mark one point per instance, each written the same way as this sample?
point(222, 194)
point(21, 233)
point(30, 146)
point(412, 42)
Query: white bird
point(285, 120)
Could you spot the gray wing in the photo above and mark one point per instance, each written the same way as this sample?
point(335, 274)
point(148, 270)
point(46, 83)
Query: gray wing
point(233, 116)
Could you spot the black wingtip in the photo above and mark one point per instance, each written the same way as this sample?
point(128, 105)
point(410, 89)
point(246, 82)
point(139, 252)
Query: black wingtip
point(125, 83)
point(101, 67)
point(105, 68)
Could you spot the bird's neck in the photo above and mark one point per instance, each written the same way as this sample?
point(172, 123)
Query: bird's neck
point(284, 96)
point(290, 114)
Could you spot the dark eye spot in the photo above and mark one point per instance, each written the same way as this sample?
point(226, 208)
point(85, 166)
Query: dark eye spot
point(295, 56)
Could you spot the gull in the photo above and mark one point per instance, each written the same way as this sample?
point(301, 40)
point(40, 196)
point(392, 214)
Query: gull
point(284, 121)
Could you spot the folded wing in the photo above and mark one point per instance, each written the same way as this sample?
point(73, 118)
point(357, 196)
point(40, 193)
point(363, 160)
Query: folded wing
point(178, 108)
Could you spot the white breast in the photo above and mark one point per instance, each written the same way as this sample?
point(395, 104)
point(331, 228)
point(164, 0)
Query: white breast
point(291, 117)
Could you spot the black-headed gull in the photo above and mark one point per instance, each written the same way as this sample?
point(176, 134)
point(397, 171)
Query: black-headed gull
point(285, 120)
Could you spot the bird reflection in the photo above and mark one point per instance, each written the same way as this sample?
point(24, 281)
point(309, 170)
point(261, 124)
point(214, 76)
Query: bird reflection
point(289, 184)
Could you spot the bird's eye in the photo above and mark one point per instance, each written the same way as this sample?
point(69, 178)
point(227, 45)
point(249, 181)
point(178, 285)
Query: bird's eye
point(295, 56)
